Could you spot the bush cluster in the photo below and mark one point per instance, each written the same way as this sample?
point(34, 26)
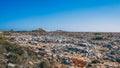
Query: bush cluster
point(13, 58)
point(45, 64)
point(98, 38)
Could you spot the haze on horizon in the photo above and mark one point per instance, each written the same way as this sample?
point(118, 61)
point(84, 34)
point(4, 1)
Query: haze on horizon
point(68, 15)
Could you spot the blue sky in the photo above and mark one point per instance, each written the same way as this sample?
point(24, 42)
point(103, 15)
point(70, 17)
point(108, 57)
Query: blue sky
point(69, 15)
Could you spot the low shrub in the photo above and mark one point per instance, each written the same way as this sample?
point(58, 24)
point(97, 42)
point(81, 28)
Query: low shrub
point(98, 38)
point(45, 64)
point(97, 34)
point(13, 58)
point(14, 48)
point(95, 61)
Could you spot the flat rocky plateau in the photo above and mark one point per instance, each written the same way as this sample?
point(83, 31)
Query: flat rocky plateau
point(66, 49)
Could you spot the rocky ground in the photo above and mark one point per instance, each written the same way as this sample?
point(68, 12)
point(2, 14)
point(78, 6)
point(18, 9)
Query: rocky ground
point(69, 49)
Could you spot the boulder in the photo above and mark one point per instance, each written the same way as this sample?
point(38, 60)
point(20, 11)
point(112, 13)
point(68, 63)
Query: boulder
point(83, 44)
point(11, 65)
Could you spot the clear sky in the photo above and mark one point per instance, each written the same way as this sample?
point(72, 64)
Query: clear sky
point(69, 15)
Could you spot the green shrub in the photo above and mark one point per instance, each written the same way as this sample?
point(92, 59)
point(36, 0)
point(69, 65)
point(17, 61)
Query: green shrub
point(45, 64)
point(14, 48)
point(13, 58)
point(98, 38)
point(95, 61)
point(97, 34)
point(6, 44)
point(2, 50)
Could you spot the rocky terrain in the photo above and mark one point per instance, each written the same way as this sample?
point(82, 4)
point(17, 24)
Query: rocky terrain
point(60, 49)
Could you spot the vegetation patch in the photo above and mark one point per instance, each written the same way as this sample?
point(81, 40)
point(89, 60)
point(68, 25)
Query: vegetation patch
point(45, 64)
point(98, 38)
point(95, 61)
point(13, 58)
